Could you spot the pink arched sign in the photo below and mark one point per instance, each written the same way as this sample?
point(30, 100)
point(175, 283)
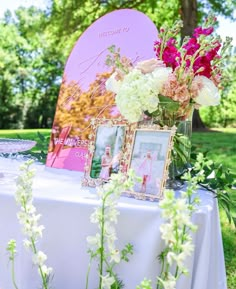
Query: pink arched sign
point(83, 95)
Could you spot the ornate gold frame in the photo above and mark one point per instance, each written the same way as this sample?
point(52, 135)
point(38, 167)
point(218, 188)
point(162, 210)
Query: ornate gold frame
point(95, 124)
point(149, 127)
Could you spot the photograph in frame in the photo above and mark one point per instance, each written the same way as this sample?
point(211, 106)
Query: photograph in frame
point(106, 150)
point(150, 159)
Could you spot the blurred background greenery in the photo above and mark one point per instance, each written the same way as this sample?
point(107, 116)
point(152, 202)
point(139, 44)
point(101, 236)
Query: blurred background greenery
point(36, 41)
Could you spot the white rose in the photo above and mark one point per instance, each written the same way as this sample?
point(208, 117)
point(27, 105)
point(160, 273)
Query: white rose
point(160, 76)
point(208, 95)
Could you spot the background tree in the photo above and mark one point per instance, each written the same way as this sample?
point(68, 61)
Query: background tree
point(66, 15)
point(35, 43)
point(31, 69)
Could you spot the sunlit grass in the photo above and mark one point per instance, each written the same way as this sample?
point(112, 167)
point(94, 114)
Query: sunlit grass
point(220, 145)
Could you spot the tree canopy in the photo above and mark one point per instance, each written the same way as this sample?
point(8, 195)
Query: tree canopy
point(35, 43)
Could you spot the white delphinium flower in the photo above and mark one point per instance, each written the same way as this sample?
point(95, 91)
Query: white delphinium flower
point(115, 256)
point(94, 241)
point(39, 258)
point(46, 270)
point(175, 232)
point(107, 281)
point(29, 219)
point(27, 244)
point(102, 245)
point(169, 282)
point(167, 233)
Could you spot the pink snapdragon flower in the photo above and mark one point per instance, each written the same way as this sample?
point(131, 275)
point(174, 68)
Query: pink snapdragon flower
point(203, 31)
point(191, 46)
point(170, 54)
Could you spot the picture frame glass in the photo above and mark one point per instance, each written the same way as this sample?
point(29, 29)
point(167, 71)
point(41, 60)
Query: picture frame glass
point(108, 151)
point(149, 158)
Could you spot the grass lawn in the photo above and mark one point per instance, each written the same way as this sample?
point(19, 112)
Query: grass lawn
point(221, 147)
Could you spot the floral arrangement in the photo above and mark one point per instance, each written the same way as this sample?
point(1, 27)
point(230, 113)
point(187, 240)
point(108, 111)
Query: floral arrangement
point(182, 76)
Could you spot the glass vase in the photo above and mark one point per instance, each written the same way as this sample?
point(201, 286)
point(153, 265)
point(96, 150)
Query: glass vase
point(172, 114)
point(180, 155)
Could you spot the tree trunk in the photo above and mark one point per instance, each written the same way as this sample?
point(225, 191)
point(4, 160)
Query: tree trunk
point(189, 17)
point(197, 122)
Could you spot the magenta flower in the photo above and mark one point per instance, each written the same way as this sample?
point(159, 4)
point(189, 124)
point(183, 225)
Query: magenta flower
point(204, 64)
point(191, 46)
point(203, 31)
point(170, 55)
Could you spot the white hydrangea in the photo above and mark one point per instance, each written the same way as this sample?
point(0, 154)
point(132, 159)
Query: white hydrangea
point(208, 95)
point(136, 93)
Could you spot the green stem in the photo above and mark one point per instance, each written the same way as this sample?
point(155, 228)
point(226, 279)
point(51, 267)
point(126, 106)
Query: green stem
point(13, 271)
point(102, 243)
point(88, 272)
point(162, 270)
point(110, 270)
point(45, 285)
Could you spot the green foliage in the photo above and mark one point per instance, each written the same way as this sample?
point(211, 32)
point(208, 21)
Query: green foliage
point(128, 250)
point(221, 181)
point(30, 67)
point(220, 146)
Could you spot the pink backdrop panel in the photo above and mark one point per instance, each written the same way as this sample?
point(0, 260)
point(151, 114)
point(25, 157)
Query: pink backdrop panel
point(82, 94)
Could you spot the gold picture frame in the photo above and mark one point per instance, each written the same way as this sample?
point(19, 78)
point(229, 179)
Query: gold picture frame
point(105, 151)
point(149, 155)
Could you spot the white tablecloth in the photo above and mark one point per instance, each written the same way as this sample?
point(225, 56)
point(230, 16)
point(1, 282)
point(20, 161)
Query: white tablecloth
point(66, 208)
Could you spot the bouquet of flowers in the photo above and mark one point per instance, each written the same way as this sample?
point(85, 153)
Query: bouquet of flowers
point(174, 82)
